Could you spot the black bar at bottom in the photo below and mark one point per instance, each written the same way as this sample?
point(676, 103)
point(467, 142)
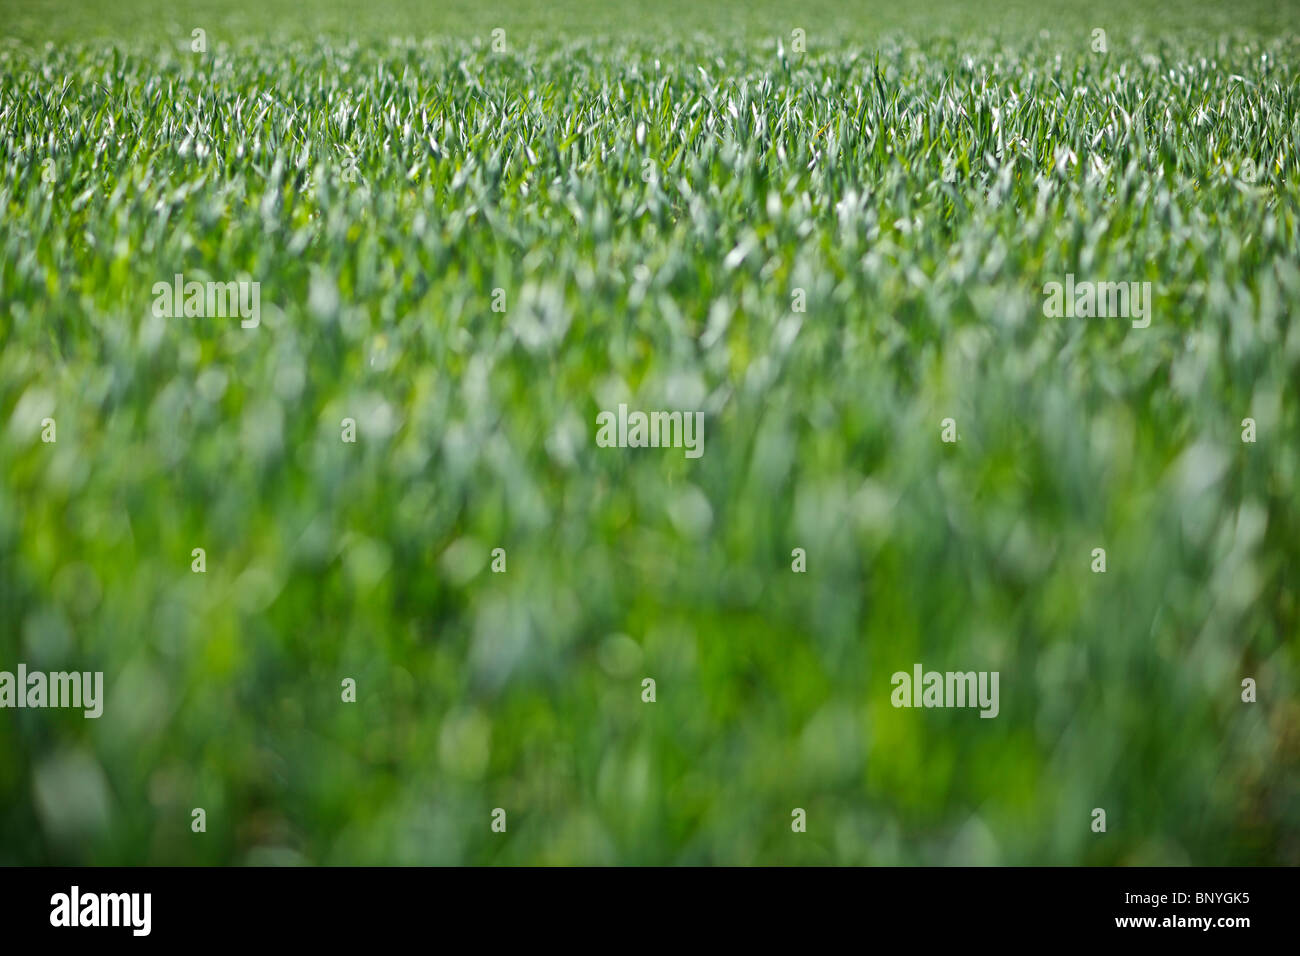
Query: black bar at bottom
point(338, 905)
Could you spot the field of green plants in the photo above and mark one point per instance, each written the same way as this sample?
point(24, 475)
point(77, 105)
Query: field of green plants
point(827, 228)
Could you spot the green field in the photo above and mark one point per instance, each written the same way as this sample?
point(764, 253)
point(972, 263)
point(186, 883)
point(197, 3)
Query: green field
point(828, 243)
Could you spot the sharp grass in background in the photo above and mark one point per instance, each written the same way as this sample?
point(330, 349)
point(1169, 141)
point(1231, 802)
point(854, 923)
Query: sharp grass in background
point(125, 159)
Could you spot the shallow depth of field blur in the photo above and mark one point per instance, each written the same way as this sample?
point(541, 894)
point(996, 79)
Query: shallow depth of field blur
point(126, 158)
